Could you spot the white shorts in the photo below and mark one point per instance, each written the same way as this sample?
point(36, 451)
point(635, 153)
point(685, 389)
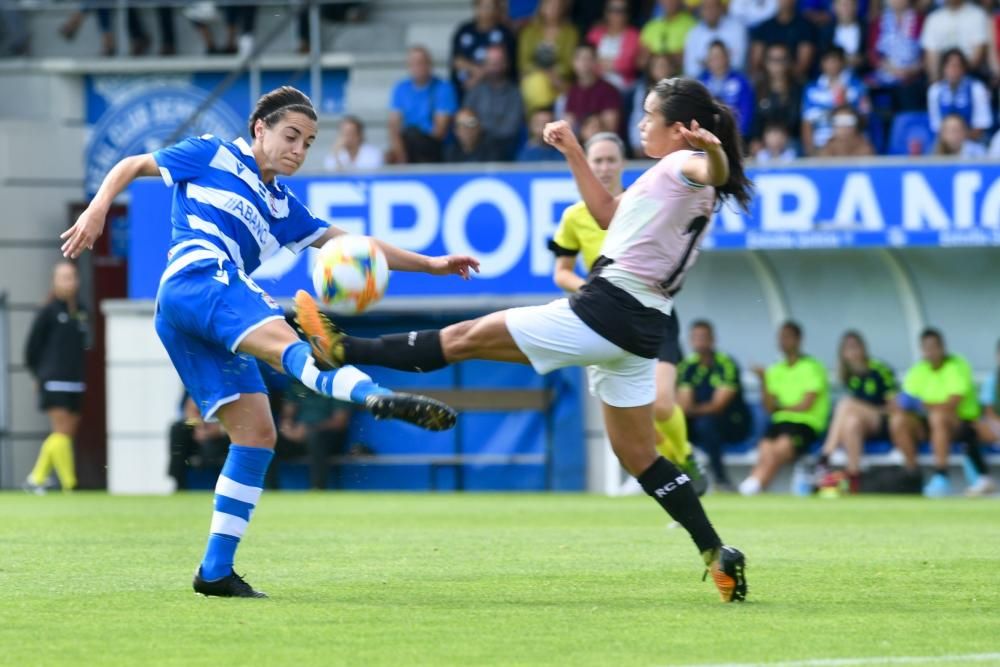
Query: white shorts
point(552, 337)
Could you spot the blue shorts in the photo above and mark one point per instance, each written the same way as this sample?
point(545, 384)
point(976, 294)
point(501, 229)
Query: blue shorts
point(203, 313)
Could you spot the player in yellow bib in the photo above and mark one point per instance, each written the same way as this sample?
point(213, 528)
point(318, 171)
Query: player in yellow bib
point(578, 236)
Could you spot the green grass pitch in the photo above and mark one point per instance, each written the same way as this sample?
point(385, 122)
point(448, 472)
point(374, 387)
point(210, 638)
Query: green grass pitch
point(393, 579)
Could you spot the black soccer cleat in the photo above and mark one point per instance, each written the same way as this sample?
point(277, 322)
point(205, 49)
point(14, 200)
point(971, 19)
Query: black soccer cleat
point(728, 574)
point(421, 411)
point(232, 586)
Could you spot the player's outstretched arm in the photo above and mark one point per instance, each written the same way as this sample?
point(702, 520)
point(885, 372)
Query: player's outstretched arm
point(711, 168)
point(90, 224)
point(407, 260)
point(601, 203)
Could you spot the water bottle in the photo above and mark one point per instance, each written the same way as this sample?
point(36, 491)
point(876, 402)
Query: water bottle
point(802, 483)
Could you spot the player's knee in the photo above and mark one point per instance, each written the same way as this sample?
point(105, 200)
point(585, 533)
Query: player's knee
point(262, 435)
point(852, 421)
point(897, 424)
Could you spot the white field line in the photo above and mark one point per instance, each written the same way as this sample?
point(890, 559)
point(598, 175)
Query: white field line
point(987, 658)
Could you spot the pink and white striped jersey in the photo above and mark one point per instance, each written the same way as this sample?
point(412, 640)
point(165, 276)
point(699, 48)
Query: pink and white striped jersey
point(655, 234)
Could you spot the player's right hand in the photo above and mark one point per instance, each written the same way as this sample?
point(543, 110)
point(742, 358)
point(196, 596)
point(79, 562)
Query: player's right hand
point(560, 135)
point(83, 233)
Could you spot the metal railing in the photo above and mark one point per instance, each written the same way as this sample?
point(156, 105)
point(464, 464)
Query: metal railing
point(249, 63)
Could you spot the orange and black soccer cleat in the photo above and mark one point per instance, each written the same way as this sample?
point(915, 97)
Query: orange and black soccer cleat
point(728, 574)
point(322, 334)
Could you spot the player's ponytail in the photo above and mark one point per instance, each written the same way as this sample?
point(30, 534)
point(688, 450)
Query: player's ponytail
point(684, 100)
point(738, 186)
point(272, 107)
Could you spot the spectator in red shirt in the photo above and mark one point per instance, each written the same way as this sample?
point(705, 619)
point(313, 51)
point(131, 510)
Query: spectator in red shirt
point(617, 45)
point(590, 95)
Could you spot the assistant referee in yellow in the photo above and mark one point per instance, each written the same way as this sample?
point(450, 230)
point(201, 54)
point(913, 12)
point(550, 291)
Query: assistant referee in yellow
point(579, 236)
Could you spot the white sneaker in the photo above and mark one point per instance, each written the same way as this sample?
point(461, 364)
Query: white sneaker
point(30, 487)
point(984, 486)
point(750, 487)
point(630, 487)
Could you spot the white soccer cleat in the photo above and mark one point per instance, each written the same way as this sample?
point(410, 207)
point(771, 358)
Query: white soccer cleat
point(984, 486)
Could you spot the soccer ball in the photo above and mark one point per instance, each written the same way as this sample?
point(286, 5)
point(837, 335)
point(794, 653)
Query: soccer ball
point(350, 274)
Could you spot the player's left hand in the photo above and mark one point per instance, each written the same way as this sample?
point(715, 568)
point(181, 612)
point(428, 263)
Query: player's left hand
point(83, 233)
point(699, 138)
point(447, 265)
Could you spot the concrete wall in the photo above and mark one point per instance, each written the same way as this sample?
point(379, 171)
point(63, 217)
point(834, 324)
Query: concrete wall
point(40, 174)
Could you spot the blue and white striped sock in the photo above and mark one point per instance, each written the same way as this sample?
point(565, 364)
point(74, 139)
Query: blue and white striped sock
point(345, 384)
point(236, 494)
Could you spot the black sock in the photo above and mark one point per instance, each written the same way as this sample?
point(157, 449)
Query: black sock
point(823, 460)
point(418, 351)
point(941, 471)
point(975, 454)
point(672, 489)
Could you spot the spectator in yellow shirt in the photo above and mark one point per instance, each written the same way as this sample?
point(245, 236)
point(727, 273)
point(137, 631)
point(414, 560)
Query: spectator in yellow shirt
point(938, 402)
point(667, 34)
point(796, 393)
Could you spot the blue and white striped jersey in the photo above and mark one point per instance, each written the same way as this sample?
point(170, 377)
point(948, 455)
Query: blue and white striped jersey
point(220, 199)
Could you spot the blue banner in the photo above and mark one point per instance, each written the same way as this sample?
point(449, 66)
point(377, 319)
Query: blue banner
point(506, 218)
point(138, 113)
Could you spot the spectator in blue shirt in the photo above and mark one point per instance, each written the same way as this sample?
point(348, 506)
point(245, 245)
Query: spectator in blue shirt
point(535, 149)
point(729, 87)
point(957, 93)
point(471, 39)
point(420, 112)
point(837, 86)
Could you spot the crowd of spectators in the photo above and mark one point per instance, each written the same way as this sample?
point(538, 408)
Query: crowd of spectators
point(936, 402)
point(804, 77)
point(793, 71)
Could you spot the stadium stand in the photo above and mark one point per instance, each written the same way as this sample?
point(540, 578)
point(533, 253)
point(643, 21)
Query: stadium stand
point(52, 99)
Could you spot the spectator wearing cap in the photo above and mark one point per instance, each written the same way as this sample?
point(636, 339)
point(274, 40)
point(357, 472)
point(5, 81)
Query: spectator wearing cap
point(848, 140)
point(790, 28)
point(668, 33)
point(420, 112)
point(714, 26)
point(837, 86)
point(590, 95)
point(497, 103)
point(617, 45)
point(894, 54)
point(728, 86)
point(471, 39)
point(958, 93)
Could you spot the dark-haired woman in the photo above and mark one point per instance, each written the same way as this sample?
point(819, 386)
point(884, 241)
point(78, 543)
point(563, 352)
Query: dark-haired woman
point(229, 214)
point(54, 354)
point(863, 412)
point(617, 320)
